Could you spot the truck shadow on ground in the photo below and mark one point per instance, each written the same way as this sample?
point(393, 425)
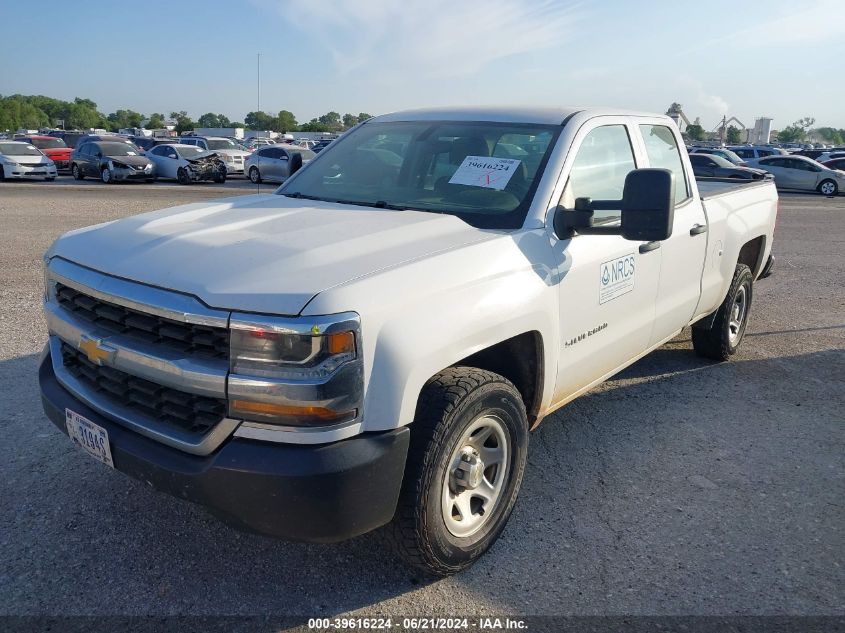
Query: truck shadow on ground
point(632, 496)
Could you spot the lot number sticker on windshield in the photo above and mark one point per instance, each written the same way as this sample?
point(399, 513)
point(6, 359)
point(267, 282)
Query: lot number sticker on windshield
point(616, 277)
point(485, 171)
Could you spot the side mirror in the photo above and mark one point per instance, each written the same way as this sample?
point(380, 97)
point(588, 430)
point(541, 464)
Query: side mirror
point(647, 206)
point(99, 154)
point(295, 163)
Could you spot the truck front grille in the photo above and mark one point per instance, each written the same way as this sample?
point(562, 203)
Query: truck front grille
point(184, 411)
point(188, 338)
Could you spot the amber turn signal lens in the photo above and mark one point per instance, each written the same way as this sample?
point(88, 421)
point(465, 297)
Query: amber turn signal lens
point(285, 413)
point(341, 343)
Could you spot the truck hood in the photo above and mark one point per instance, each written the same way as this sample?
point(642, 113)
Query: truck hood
point(261, 253)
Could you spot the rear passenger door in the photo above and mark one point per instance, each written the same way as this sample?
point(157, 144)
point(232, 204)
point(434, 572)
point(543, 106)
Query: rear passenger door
point(682, 259)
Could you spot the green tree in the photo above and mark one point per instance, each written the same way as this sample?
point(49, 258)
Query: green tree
point(285, 121)
point(349, 120)
point(236, 124)
point(209, 119)
point(363, 116)
point(314, 125)
point(156, 121)
point(733, 135)
point(792, 134)
point(695, 132)
point(331, 120)
point(124, 118)
point(830, 135)
point(183, 121)
point(259, 120)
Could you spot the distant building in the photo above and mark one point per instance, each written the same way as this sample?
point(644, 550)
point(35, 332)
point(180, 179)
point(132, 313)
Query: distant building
point(761, 134)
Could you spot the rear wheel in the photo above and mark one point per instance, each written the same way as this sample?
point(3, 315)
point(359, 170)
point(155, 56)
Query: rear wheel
point(182, 176)
point(76, 172)
point(828, 188)
point(254, 176)
point(721, 341)
point(469, 442)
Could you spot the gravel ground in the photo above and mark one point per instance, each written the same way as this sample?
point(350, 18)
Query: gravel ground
point(679, 487)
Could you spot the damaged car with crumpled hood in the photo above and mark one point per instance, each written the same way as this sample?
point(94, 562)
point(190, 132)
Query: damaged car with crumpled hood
point(187, 163)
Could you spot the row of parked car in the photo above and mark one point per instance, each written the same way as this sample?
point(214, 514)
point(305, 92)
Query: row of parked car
point(113, 158)
point(823, 172)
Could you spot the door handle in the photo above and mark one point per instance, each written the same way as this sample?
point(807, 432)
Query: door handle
point(649, 246)
point(698, 229)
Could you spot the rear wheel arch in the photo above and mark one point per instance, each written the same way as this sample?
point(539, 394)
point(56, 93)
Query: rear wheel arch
point(751, 254)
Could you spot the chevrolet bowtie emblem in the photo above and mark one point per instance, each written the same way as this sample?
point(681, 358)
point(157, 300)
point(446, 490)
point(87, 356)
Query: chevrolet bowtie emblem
point(96, 351)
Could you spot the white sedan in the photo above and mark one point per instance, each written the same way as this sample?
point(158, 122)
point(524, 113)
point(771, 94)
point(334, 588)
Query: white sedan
point(22, 160)
point(187, 163)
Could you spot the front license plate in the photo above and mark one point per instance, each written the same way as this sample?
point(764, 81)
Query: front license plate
point(92, 438)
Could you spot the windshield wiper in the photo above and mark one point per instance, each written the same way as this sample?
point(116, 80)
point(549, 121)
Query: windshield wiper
point(305, 196)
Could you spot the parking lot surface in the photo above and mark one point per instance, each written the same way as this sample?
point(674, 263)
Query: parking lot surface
point(681, 486)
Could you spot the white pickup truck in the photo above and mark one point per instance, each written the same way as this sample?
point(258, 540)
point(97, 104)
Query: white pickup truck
point(372, 344)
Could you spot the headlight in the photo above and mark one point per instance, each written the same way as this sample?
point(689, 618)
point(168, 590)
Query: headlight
point(296, 373)
point(295, 356)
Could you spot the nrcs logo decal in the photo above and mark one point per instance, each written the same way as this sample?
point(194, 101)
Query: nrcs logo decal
point(617, 277)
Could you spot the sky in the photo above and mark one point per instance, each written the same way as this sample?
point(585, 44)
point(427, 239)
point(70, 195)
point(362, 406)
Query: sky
point(777, 58)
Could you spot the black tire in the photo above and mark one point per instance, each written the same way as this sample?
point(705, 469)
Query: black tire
point(76, 172)
point(721, 341)
point(449, 404)
point(220, 176)
point(106, 176)
point(828, 187)
point(182, 176)
point(150, 181)
point(254, 175)
point(50, 179)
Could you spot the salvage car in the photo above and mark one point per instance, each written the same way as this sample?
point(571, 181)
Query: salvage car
point(273, 163)
point(714, 166)
point(24, 160)
point(187, 163)
point(53, 148)
point(801, 173)
point(232, 153)
point(111, 162)
point(373, 343)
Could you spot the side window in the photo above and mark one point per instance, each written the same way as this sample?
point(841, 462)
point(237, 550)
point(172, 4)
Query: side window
point(764, 152)
point(168, 151)
point(662, 151)
point(604, 159)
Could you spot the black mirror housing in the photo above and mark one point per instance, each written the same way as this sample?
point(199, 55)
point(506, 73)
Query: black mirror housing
point(647, 207)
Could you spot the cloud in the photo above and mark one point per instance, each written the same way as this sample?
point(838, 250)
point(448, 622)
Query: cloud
point(815, 21)
point(444, 38)
point(698, 100)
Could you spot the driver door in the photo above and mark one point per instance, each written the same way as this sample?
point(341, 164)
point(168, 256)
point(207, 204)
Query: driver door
point(608, 285)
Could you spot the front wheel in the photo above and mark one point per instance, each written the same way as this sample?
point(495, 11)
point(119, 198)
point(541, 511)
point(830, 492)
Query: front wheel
point(721, 341)
point(77, 172)
point(106, 176)
point(828, 188)
point(220, 176)
point(182, 176)
point(466, 460)
point(254, 176)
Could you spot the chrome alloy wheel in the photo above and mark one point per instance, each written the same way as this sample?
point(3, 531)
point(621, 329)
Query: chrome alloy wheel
point(475, 476)
point(828, 188)
point(738, 312)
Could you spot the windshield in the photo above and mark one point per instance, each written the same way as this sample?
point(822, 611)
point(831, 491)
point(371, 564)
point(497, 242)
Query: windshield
point(189, 151)
point(484, 173)
point(222, 144)
point(18, 149)
point(48, 143)
point(118, 149)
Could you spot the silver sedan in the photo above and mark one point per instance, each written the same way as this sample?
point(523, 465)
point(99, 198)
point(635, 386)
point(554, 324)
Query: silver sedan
point(800, 172)
point(273, 163)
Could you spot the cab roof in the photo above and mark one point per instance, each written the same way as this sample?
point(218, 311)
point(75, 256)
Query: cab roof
point(510, 114)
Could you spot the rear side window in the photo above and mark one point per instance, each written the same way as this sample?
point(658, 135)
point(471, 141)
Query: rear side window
point(744, 153)
point(663, 152)
point(604, 159)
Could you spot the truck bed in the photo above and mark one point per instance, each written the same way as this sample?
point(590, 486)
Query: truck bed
point(709, 188)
